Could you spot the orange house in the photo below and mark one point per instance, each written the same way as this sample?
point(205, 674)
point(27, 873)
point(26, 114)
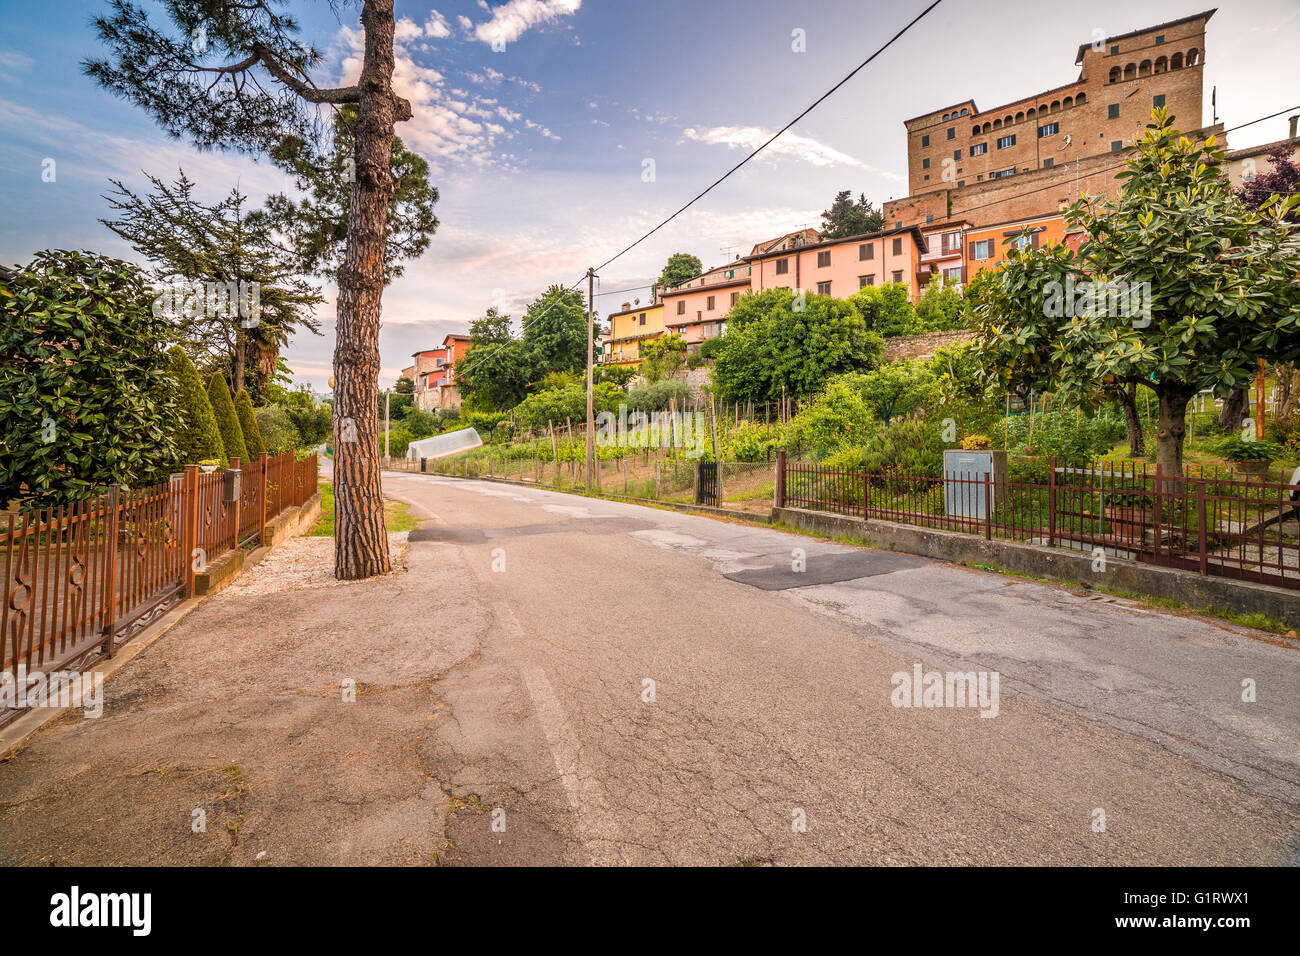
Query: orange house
point(840, 267)
point(987, 246)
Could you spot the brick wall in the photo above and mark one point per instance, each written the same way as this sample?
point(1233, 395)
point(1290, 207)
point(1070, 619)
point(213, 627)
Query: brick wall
point(923, 346)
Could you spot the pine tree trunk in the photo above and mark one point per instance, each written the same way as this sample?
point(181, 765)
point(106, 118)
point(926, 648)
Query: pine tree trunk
point(237, 360)
point(1132, 421)
point(360, 535)
point(1234, 409)
point(1172, 429)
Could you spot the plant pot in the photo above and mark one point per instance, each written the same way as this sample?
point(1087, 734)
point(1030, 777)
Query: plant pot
point(1128, 524)
point(207, 469)
point(1252, 469)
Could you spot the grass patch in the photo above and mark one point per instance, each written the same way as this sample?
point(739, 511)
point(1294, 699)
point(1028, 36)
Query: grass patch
point(397, 514)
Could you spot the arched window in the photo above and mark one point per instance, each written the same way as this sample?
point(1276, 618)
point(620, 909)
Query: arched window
point(1030, 113)
point(1081, 99)
point(1162, 64)
point(1176, 62)
point(1020, 117)
point(964, 111)
point(987, 127)
point(1145, 68)
point(1193, 56)
point(1115, 74)
point(1008, 121)
point(975, 130)
point(1131, 71)
point(997, 124)
point(945, 117)
point(1056, 106)
point(1067, 102)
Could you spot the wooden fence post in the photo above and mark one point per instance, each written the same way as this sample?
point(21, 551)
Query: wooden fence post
point(111, 526)
point(261, 504)
point(190, 523)
point(1200, 520)
point(780, 478)
point(1051, 505)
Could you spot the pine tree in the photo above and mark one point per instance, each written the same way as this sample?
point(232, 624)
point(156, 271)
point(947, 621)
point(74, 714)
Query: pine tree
point(232, 437)
point(197, 437)
point(248, 425)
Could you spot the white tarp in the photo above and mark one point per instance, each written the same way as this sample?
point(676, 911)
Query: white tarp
point(440, 446)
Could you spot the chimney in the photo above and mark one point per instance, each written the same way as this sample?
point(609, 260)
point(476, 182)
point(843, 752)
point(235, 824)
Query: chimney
point(1294, 119)
point(626, 306)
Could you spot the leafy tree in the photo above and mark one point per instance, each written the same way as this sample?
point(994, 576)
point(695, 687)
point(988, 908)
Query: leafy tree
point(494, 327)
point(248, 87)
point(895, 389)
point(248, 426)
point(419, 423)
point(662, 357)
point(85, 396)
point(1222, 287)
point(679, 267)
point(404, 386)
point(223, 409)
point(942, 308)
point(196, 250)
point(566, 402)
point(277, 430)
point(849, 218)
point(316, 227)
point(195, 428)
point(887, 309)
point(775, 340)
point(618, 375)
point(837, 417)
point(555, 330)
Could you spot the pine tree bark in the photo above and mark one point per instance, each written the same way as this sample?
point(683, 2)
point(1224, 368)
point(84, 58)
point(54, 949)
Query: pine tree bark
point(360, 534)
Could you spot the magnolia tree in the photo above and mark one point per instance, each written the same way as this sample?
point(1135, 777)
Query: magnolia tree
point(1175, 287)
point(236, 76)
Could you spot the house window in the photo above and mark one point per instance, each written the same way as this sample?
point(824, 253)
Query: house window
point(925, 140)
point(1158, 100)
point(929, 218)
point(823, 259)
point(952, 275)
point(642, 319)
point(1007, 141)
point(866, 251)
point(864, 281)
point(956, 155)
point(925, 163)
point(735, 297)
point(979, 149)
point(1112, 111)
point(782, 266)
point(1160, 38)
point(982, 249)
point(961, 183)
point(1049, 162)
point(898, 275)
point(823, 288)
point(1050, 129)
point(1000, 173)
point(898, 247)
point(681, 306)
point(708, 304)
point(1114, 49)
point(952, 132)
point(1116, 145)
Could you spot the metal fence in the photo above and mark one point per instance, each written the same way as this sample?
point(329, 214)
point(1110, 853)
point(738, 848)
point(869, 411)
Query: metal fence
point(80, 578)
point(1233, 526)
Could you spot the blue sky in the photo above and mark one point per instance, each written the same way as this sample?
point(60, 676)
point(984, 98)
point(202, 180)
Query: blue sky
point(538, 147)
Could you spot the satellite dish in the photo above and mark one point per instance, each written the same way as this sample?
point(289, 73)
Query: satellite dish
point(1067, 139)
point(636, 301)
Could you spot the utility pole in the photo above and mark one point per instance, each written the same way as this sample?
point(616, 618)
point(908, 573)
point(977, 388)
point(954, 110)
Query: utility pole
point(591, 424)
point(388, 399)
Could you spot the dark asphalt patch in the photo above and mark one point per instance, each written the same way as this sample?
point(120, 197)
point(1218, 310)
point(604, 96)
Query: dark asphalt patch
point(826, 569)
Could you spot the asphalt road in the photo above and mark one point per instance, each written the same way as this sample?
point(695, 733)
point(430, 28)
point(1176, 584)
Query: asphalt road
point(770, 731)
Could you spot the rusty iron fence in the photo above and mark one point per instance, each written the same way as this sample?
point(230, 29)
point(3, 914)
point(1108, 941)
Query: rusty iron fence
point(81, 578)
point(1234, 526)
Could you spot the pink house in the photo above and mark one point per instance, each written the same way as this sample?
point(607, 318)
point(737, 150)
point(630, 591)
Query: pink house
point(840, 267)
point(697, 309)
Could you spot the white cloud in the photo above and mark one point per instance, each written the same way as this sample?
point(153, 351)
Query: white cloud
point(804, 148)
point(436, 26)
point(512, 20)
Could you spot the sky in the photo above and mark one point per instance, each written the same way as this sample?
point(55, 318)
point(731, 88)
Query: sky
point(559, 131)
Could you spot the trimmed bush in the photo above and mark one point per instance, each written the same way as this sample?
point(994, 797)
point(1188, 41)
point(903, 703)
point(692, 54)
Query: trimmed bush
point(277, 429)
point(248, 425)
point(197, 438)
point(223, 408)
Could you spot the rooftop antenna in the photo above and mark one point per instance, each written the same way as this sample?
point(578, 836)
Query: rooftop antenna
point(1214, 103)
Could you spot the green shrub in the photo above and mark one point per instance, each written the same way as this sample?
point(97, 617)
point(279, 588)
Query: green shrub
point(837, 418)
point(248, 425)
point(276, 428)
point(910, 448)
point(659, 396)
point(223, 408)
point(695, 361)
point(398, 439)
point(1238, 449)
point(751, 441)
point(195, 431)
point(419, 423)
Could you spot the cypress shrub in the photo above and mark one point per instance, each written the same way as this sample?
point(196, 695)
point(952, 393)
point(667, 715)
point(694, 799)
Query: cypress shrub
point(248, 425)
point(196, 434)
point(232, 437)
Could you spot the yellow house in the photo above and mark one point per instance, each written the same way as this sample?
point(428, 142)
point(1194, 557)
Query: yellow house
point(629, 329)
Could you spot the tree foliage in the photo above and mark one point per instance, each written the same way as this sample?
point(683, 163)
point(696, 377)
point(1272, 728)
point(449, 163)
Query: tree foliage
point(1223, 291)
point(195, 427)
point(849, 218)
point(777, 340)
point(248, 425)
point(663, 357)
point(679, 267)
point(223, 410)
point(84, 387)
